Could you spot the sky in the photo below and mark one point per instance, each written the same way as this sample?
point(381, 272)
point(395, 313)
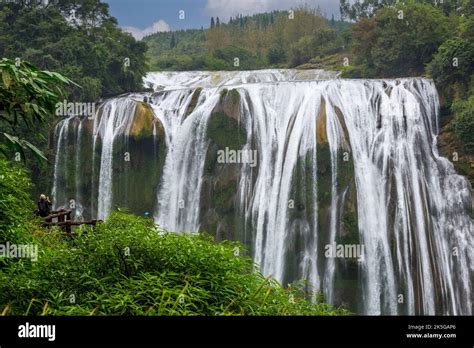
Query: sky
point(144, 17)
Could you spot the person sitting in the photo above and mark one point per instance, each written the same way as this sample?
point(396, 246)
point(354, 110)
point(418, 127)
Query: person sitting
point(44, 206)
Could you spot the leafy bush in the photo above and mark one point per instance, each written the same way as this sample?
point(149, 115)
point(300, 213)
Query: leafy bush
point(27, 97)
point(15, 204)
point(452, 66)
point(464, 122)
point(129, 267)
point(399, 40)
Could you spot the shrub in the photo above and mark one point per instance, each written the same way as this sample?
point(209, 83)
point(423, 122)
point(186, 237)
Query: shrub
point(452, 65)
point(16, 208)
point(464, 122)
point(129, 267)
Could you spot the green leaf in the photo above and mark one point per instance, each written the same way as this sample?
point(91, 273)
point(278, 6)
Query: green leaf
point(36, 152)
point(21, 145)
point(6, 78)
point(11, 138)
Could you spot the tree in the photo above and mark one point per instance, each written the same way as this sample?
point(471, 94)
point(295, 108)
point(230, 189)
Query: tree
point(464, 121)
point(358, 9)
point(399, 40)
point(218, 22)
point(213, 24)
point(453, 63)
point(452, 69)
point(173, 41)
point(27, 95)
point(276, 55)
point(257, 43)
point(91, 46)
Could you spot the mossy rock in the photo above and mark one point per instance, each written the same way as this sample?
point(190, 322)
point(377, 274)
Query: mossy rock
point(194, 100)
point(143, 121)
point(220, 182)
point(234, 96)
point(321, 135)
point(225, 131)
point(229, 103)
point(350, 222)
point(223, 93)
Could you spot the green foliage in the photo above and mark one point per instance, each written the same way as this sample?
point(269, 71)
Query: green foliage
point(15, 204)
point(27, 97)
point(452, 66)
point(452, 69)
point(129, 267)
point(276, 55)
point(258, 41)
point(400, 40)
point(453, 62)
point(358, 9)
point(464, 122)
point(89, 48)
point(188, 52)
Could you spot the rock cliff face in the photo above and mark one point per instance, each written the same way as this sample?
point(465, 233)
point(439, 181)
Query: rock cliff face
point(347, 190)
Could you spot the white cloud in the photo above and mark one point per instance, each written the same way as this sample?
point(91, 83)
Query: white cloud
point(156, 27)
point(224, 9)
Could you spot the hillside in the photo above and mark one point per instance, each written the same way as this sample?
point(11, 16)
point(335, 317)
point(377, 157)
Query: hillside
point(276, 39)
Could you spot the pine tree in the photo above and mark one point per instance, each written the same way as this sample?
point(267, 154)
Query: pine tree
point(218, 22)
point(213, 24)
point(173, 41)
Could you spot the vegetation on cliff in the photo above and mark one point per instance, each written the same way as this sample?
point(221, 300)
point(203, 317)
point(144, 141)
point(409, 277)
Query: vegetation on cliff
point(276, 39)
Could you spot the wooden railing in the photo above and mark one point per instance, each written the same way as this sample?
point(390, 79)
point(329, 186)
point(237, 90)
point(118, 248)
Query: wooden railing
point(63, 220)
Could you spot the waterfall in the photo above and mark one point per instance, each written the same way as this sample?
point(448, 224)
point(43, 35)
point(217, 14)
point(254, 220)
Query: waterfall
point(178, 198)
point(339, 163)
point(60, 132)
point(117, 117)
point(170, 80)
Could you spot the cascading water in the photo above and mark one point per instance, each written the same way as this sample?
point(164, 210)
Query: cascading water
point(117, 117)
point(207, 79)
point(339, 162)
point(178, 197)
